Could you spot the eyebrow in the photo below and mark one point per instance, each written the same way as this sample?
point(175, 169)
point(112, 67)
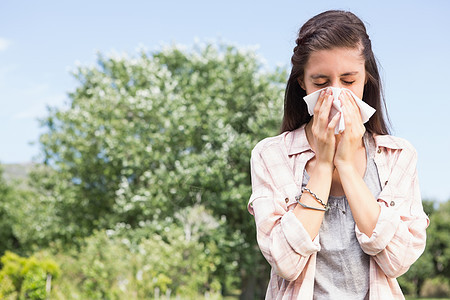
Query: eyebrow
point(318, 76)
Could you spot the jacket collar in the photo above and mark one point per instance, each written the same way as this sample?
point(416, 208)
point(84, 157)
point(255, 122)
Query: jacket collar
point(388, 141)
point(296, 141)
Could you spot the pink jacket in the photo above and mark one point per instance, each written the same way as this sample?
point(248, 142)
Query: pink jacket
point(398, 239)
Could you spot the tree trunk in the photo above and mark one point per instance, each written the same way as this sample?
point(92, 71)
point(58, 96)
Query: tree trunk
point(254, 284)
point(248, 287)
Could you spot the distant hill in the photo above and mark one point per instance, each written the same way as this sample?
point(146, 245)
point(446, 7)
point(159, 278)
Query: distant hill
point(13, 172)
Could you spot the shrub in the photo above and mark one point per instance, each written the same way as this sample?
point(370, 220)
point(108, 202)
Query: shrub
point(436, 287)
point(175, 256)
point(26, 278)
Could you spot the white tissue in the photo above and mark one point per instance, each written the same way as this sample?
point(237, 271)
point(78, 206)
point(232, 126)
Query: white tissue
point(366, 110)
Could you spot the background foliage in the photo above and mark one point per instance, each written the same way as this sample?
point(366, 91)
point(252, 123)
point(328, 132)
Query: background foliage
point(144, 181)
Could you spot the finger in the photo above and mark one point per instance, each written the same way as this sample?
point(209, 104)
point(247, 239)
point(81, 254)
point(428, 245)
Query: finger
point(348, 117)
point(357, 114)
point(324, 111)
point(344, 97)
point(322, 107)
point(322, 97)
point(352, 110)
point(352, 103)
point(334, 121)
point(323, 117)
point(353, 123)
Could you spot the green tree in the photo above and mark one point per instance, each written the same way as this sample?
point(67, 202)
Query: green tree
point(7, 238)
point(22, 216)
point(146, 136)
point(13, 198)
point(438, 239)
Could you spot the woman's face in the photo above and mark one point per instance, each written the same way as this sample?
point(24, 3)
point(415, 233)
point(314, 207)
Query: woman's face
point(338, 67)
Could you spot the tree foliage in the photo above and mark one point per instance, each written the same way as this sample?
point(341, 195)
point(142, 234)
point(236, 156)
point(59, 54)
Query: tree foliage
point(14, 201)
point(439, 240)
point(146, 136)
point(7, 238)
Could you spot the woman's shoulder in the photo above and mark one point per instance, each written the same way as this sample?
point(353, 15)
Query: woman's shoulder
point(269, 143)
point(393, 142)
point(283, 145)
point(288, 142)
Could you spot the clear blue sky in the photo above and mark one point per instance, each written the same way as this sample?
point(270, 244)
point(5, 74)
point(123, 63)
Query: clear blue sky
point(40, 41)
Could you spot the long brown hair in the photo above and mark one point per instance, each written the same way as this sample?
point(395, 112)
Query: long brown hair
point(328, 30)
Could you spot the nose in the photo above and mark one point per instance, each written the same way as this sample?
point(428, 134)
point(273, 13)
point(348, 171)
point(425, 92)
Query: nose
point(336, 83)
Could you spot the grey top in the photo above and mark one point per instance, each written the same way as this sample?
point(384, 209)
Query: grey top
point(342, 268)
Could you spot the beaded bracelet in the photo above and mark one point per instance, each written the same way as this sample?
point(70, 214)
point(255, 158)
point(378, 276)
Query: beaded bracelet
point(306, 206)
point(297, 198)
point(315, 197)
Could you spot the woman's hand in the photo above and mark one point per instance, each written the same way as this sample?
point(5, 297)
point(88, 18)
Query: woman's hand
point(322, 129)
point(348, 161)
point(351, 139)
point(320, 134)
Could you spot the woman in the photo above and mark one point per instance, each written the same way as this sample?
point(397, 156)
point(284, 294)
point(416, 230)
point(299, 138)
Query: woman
point(338, 216)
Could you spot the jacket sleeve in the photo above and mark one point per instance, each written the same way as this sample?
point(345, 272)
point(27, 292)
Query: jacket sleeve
point(399, 236)
point(283, 240)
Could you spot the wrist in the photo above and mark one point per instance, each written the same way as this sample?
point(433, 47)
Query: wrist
point(346, 168)
point(324, 167)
